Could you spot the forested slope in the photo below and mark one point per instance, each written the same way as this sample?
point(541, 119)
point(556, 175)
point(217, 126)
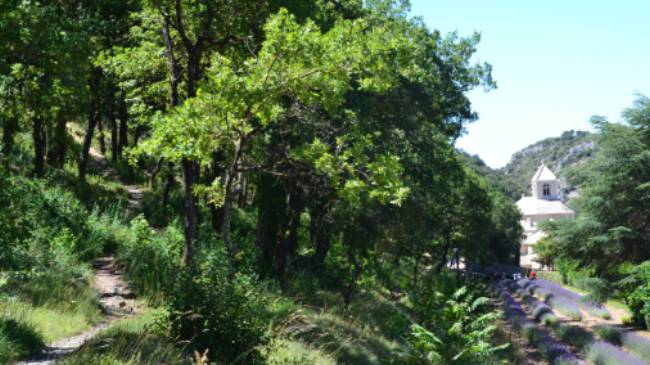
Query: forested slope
point(300, 196)
point(560, 154)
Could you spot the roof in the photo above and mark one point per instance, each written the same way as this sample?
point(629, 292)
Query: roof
point(543, 173)
point(530, 205)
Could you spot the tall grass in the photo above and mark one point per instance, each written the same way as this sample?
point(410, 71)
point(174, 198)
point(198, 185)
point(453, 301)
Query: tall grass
point(130, 342)
point(18, 338)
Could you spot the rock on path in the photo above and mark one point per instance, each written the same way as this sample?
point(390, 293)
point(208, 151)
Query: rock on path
point(116, 301)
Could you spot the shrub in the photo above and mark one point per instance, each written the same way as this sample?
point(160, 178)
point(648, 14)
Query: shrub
point(540, 310)
point(549, 319)
point(216, 311)
point(603, 353)
point(608, 333)
point(637, 344)
point(17, 339)
point(565, 306)
point(574, 335)
point(638, 298)
point(151, 259)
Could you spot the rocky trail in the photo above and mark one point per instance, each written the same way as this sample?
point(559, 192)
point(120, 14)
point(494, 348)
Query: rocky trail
point(116, 301)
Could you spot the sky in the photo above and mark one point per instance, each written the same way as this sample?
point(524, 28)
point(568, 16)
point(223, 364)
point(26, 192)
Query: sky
point(556, 64)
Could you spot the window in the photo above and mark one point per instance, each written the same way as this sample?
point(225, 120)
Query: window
point(546, 190)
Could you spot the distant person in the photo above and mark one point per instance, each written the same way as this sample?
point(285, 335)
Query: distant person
point(532, 275)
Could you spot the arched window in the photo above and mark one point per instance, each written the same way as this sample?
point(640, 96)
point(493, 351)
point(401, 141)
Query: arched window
point(546, 190)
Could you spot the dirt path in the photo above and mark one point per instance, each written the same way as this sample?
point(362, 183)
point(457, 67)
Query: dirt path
point(116, 301)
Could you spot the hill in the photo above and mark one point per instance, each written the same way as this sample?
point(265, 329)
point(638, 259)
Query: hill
point(558, 153)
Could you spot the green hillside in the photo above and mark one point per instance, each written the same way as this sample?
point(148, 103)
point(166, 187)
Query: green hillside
point(558, 153)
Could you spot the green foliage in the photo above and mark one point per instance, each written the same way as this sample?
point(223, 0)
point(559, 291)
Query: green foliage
point(461, 329)
point(225, 315)
point(637, 286)
point(17, 340)
point(142, 340)
point(150, 259)
point(26, 205)
point(608, 333)
point(610, 233)
point(572, 148)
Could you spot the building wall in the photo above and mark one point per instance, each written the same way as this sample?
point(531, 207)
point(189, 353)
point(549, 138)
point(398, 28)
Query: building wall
point(538, 190)
point(530, 223)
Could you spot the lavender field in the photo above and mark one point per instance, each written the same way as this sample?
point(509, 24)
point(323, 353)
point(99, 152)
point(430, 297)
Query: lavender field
point(614, 346)
point(565, 301)
point(554, 351)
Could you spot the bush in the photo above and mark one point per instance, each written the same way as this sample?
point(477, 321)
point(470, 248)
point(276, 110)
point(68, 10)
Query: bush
point(637, 344)
point(216, 311)
point(574, 335)
point(549, 319)
point(57, 277)
point(151, 259)
point(638, 298)
point(33, 214)
point(603, 353)
point(608, 333)
point(540, 310)
point(17, 339)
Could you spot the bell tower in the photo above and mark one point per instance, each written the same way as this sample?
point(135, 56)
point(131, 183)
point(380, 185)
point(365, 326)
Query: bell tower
point(545, 184)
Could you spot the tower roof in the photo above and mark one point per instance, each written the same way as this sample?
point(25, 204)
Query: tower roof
point(543, 173)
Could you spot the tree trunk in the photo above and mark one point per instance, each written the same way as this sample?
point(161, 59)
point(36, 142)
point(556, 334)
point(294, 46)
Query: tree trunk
point(416, 268)
point(228, 200)
point(174, 68)
point(100, 136)
point(58, 145)
point(356, 273)
point(321, 238)
point(445, 251)
point(124, 131)
point(271, 205)
point(289, 245)
point(216, 213)
point(154, 173)
point(191, 212)
point(169, 184)
point(9, 129)
point(92, 120)
point(40, 141)
point(113, 122)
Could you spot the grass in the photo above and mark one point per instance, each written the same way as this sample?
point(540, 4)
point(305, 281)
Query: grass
point(51, 322)
point(293, 352)
point(18, 338)
point(130, 341)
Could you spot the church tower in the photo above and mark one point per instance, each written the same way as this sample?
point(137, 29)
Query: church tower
point(545, 185)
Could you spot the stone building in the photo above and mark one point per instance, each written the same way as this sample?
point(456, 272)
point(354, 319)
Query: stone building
point(544, 204)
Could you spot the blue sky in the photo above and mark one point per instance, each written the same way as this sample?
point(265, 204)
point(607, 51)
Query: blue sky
point(556, 64)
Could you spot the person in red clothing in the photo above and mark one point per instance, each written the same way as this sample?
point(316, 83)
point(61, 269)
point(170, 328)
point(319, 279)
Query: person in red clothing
point(532, 275)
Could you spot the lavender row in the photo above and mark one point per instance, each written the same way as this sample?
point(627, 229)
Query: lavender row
point(632, 342)
point(604, 353)
point(554, 351)
point(566, 301)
